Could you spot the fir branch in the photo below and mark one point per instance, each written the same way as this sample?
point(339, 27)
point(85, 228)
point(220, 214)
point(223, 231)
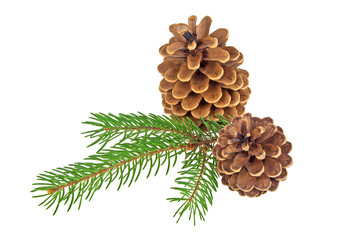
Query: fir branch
point(194, 192)
point(143, 142)
point(129, 126)
point(123, 162)
point(58, 188)
point(197, 182)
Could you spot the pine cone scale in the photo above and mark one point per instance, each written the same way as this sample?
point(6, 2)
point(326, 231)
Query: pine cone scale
point(194, 61)
point(263, 183)
point(213, 93)
point(199, 83)
point(203, 28)
point(255, 167)
point(191, 102)
point(245, 181)
point(213, 70)
point(221, 35)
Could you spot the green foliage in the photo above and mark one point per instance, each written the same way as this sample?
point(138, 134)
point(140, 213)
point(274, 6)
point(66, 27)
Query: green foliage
point(130, 126)
point(196, 183)
point(130, 144)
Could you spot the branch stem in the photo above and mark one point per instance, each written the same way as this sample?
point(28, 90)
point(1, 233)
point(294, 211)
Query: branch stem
point(150, 128)
point(204, 150)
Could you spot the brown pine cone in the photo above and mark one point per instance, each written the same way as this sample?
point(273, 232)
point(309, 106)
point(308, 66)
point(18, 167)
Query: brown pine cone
point(252, 155)
point(200, 73)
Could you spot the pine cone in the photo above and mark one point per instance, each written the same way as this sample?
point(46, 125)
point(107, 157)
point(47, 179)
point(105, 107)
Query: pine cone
point(252, 155)
point(200, 73)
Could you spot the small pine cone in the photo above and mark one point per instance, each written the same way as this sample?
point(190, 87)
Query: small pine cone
point(200, 74)
point(252, 155)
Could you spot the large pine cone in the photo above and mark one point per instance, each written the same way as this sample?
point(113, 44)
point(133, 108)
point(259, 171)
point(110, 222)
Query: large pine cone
point(200, 73)
point(252, 155)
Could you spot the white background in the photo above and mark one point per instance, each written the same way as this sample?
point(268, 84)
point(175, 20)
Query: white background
point(61, 60)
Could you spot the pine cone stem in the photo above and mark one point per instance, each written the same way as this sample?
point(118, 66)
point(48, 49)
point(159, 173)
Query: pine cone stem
point(189, 37)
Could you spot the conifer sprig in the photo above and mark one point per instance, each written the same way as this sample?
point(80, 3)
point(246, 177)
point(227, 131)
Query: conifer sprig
point(138, 142)
point(197, 181)
point(130, 126)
